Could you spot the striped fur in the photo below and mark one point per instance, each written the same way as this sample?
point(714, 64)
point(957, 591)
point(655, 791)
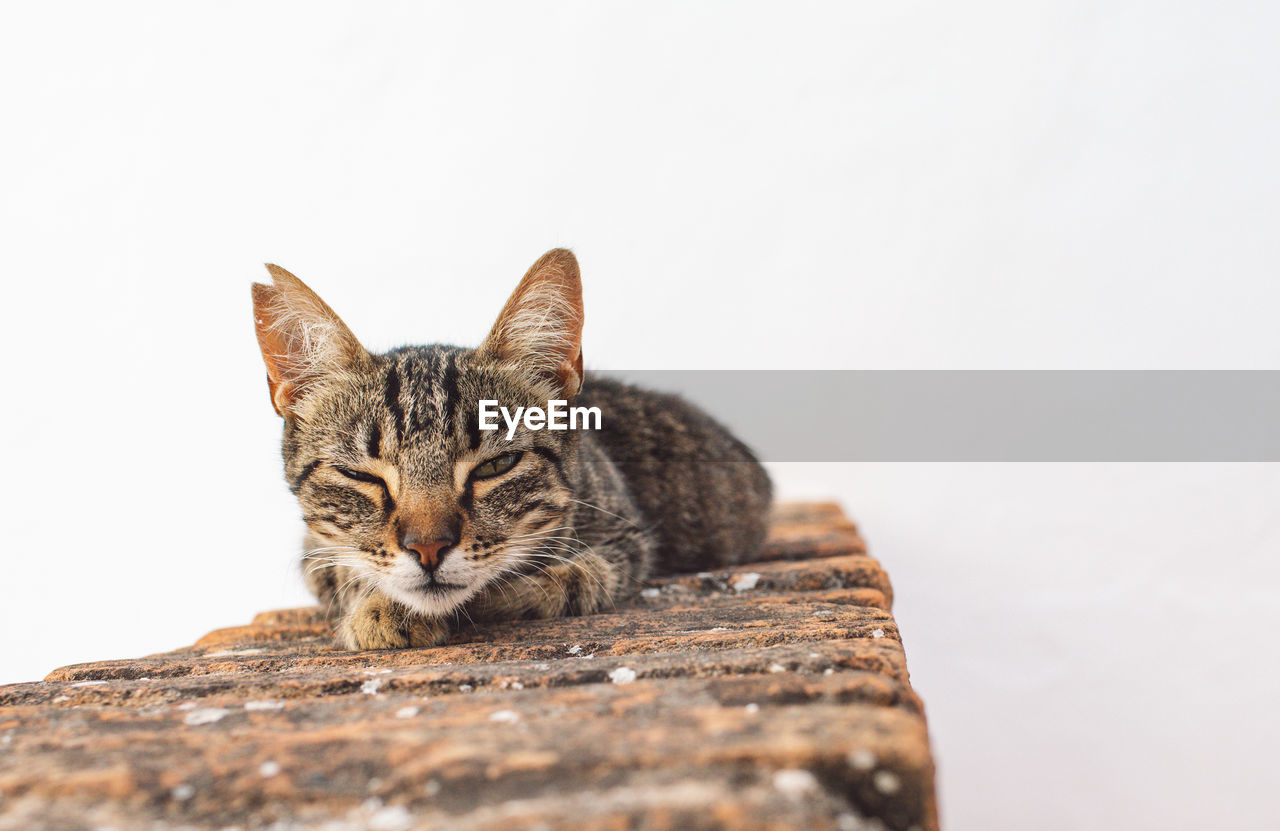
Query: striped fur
point(378, 446)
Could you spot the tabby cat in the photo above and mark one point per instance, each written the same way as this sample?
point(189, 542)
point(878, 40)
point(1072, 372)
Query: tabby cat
point(417, 519)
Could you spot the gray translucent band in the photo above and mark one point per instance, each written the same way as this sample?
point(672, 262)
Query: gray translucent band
point(988, 415)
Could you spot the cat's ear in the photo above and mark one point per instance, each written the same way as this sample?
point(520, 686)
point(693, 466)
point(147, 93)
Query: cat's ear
point(303, 342)
point(540, 328)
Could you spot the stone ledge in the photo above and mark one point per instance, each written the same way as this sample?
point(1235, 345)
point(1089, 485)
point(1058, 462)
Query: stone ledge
point(773, 694)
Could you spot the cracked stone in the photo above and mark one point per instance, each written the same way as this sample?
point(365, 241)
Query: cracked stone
point(679, 720)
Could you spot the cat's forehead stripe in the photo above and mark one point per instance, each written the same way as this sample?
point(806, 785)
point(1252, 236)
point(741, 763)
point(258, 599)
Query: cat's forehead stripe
point(449, 388)
point(391, 397)
point(373, 440)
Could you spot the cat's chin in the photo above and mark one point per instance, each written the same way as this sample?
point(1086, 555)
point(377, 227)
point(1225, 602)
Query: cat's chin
point(435, 600)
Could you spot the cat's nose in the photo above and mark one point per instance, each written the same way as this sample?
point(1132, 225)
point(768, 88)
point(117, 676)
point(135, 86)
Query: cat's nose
point(430, 546)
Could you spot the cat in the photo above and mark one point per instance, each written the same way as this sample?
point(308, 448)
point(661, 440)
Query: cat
point(417, 519)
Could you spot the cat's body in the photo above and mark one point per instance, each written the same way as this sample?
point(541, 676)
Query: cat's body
point(418, 519)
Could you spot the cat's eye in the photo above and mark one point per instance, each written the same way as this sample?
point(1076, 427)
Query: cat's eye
point(496, 466)
point(360, 476)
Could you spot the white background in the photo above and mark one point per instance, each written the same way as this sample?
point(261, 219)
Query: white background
point(872, 185)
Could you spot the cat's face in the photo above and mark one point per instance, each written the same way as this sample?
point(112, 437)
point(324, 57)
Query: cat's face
point(402, 492)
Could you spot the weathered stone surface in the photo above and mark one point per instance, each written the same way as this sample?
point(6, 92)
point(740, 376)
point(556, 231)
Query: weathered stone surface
point(770, 695)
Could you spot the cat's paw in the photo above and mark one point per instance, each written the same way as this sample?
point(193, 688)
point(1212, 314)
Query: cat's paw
point(378, 622)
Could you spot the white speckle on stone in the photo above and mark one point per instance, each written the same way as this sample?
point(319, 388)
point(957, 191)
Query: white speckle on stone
point(183, 792)
point(505, 717)
point(862, 759)
point(145, 678)
point(542, 667)
point(829, 671)
point(188, 705)
point(230, 652)
point(370, 687)
point(391, 818)
point(886, 782)
point(753, 708)
point(824, 614)
point(61, 699)
point(377, 672)
point(433, 787)
point(88, 683)
point(853, 822)
point(407, 712)
point(465, 688)
point(776, 668)
point(746, 582)
point(269, 769)
point(814, 655)
point(877, 633)
point(622, 675)
point(795, 783)
point(208, 715)
point(575, 649)
point(264, 705)
point(650, 593)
